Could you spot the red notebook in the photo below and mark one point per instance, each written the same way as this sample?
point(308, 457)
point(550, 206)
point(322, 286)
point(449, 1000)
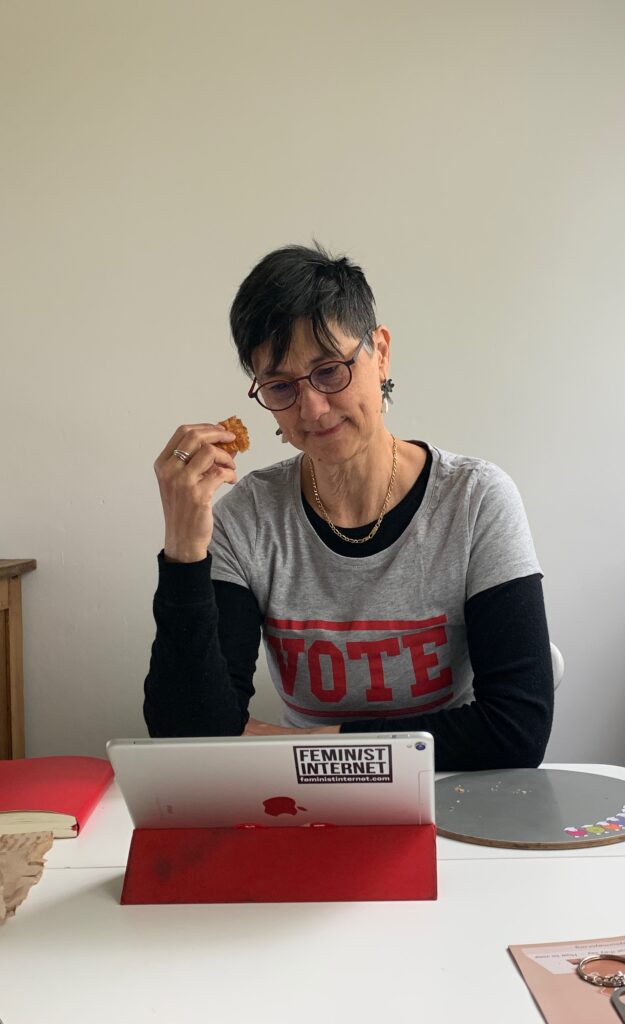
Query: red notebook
point(51, 794)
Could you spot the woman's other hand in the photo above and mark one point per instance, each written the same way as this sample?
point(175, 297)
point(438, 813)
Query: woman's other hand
point(187, 487)
point(256, 728)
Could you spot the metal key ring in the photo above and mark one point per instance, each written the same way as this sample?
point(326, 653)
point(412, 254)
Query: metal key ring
point(619, 1006)
point(616, 980)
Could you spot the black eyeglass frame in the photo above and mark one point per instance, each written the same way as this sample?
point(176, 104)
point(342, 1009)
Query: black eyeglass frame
point(308, 376)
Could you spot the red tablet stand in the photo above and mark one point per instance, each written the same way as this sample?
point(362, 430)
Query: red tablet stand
point(281, 864)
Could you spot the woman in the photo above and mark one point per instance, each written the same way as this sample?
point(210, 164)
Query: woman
point(395, 585)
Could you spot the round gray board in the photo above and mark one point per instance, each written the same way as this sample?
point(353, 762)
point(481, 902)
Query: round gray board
point(531, 809)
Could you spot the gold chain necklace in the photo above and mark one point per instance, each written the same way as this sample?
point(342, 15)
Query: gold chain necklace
point(372, 533)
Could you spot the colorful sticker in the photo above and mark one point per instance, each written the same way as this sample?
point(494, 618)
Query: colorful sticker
point(611, 826)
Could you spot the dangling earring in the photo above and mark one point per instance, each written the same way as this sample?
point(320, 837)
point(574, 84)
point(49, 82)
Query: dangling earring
point(386, 387)
point(279, 433)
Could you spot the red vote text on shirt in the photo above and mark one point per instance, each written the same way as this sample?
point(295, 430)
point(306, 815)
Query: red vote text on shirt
point(411, 647)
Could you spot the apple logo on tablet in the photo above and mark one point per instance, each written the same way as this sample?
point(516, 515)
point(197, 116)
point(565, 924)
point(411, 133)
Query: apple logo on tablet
point(276, 805)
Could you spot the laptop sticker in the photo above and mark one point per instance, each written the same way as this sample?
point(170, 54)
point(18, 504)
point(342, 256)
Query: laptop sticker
point(333, 764)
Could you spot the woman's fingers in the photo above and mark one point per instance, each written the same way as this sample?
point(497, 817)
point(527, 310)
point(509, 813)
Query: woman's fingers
point(186, 486)
point(256, 728)
point(208, 458)
point(195, 480)
point(190, 438)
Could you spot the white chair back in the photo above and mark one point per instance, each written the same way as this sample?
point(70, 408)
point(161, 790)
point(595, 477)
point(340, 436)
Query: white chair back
point(557, 662)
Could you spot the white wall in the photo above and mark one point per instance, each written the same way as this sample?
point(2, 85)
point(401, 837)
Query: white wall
point(470, 155)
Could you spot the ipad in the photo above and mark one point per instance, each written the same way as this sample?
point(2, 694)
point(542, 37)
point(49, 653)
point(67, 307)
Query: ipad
point(349, 779)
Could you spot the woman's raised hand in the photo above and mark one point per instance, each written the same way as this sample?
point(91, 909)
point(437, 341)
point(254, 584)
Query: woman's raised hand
point(190, 469)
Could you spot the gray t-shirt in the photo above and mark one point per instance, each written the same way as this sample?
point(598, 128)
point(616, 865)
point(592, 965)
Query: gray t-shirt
point(382, 635)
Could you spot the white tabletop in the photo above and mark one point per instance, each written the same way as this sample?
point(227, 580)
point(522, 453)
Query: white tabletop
point(73, 954)
point(105, 840)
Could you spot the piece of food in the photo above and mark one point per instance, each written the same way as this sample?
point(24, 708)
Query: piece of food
point(242, 439)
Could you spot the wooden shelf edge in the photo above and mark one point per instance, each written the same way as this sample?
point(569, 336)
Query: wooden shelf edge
point(10, 567)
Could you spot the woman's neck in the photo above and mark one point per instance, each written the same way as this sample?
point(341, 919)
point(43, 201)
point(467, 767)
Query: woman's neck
point(352, 492)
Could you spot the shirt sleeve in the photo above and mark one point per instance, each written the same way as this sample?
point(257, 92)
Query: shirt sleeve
point(508, 723)
point(232, 547)
point(200, 680)
point(501, 545)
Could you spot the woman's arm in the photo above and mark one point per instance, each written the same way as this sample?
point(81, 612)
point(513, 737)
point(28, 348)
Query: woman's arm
point(509, 722)
point(191, 689)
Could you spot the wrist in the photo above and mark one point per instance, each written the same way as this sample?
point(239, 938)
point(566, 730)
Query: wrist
point(174, 553)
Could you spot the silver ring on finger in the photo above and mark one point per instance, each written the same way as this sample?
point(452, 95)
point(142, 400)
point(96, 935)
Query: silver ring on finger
point(183, 456)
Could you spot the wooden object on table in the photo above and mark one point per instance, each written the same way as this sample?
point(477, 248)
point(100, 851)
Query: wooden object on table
point(11, 656)
point(21, 865)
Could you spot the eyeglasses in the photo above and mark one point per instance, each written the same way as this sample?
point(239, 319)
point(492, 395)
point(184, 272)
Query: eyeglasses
point(328, 378)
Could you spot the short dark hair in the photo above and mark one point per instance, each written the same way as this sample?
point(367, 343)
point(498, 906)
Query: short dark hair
point(295, 283)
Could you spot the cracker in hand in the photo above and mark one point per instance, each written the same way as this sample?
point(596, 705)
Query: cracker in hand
point(242, 439)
